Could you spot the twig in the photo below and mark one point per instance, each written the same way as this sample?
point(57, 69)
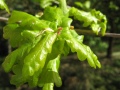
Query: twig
point(89, 32)
point(84, 32)
point(114, 35)
point(3, 19)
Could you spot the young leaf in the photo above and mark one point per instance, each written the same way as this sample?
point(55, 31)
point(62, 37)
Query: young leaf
point(50, 72)
point(33, 80)
point(92, 58)
point(16, 55)
point(19, 35)
point(30, 36)
point(13, 33)
point(17, 78)
point(48, 86)
point(45, 3)
point(19, 54)
point(79, 38)
point(83, 51)
point(66, 22)
point(74, 44)
point(95, 19)
point(4, 6)
point(37, 56)
point(53, 14)
point(27, 21)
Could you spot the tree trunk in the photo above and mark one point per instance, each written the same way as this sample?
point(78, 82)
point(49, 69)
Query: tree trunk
point(109, 49)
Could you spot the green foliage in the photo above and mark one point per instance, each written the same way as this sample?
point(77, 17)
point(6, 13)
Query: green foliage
point(45, 3)
point(41, 41)
point(3, 6)
point(85, 5)
point(95, 19)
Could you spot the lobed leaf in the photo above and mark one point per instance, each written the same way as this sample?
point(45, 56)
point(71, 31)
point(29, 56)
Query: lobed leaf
point(66, 22)
point(50, 72)
point(95, 19)
point(18, 54)
point(30, 36)
point(83, 51)
point(19, 35)
point(74, 44)
point(28, 21)
point(79, 38)
point(53, 14)
point(37, 56)
point(33, 80)
point(17, 79)
point(13, 33)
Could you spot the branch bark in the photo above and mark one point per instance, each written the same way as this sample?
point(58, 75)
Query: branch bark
point(3, 19)
point(89, 32)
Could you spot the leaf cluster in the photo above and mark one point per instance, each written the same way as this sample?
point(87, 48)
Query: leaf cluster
point(40, 42)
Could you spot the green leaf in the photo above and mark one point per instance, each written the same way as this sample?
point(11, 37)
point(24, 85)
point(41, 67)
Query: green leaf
point(74, 44)
point(37, 56)
point(57, 48)
point(66, 22)
point(18, 54)
point(17, 78)
point(31, 35)
point(66, 49)
point(4, 6)
point(27, 21)
point(50, 72)
point(19, 35)
point(92, 58)
point(8, 30)
point(19, 16)
point(53, 14)
point(46, 3)
point(83, 51)
point(48, 86)
point(33, 80)
point(84, 5)
point(95, 19)
point(13, 33)
point(79, 38)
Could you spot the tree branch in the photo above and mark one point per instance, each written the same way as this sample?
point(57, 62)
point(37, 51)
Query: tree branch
point(83, 32)
point(89, 32)
point(3, 19)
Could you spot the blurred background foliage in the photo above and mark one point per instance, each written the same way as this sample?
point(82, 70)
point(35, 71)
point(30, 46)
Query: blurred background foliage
point(77, 75)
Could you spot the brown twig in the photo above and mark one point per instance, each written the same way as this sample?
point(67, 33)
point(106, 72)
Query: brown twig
point(84, 32)
point(89, 32)
point(3, 19)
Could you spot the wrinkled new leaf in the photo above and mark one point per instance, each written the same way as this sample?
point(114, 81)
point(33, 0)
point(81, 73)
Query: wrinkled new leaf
point(95, 19)
point(83, 51)
point(37, 56)
point(18, 54)
point(50, 72)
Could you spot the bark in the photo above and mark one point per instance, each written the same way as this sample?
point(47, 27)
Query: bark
point(109, 49)
point(110, 39)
